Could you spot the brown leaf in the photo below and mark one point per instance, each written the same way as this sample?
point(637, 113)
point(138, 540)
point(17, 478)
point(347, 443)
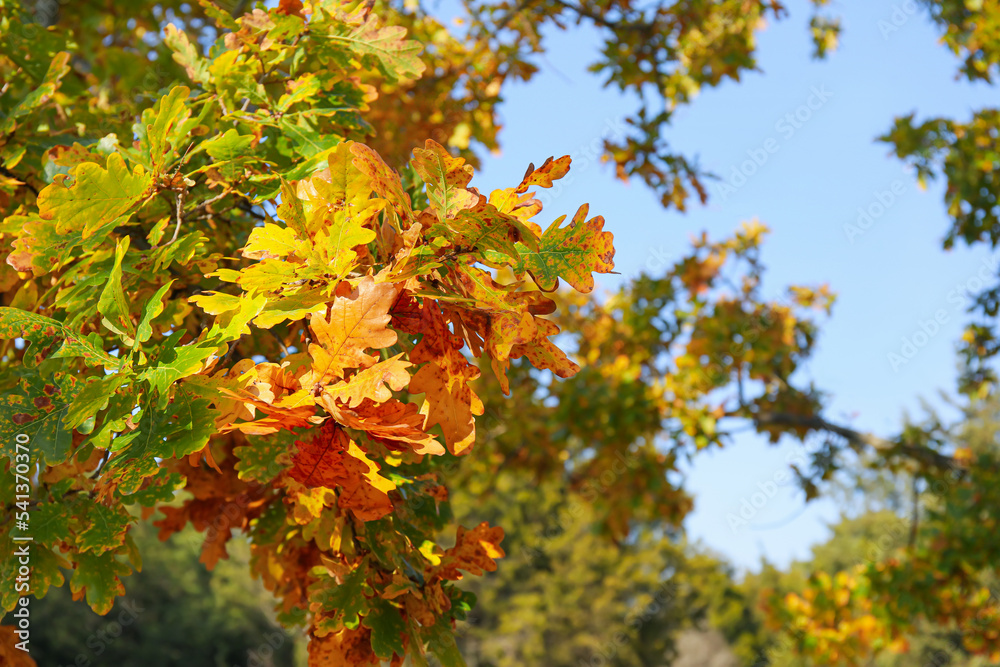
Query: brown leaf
point(346, 648)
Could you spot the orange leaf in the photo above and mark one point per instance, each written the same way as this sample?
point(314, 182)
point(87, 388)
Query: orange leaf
point(450, 400)
point(333, 460)
point(544, 175)
point(10, 656)
point(354, 325)
point(474, 552)
point(370, 383)
point(391, 422)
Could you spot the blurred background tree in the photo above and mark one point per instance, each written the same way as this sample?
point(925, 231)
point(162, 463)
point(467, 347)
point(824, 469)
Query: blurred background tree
point(175, 612)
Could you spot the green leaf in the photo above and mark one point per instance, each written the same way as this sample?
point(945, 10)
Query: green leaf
point(180, 362)
point(265, 457)
point(357, 37)
point(27, 44)
point(37, 411)
point(177, 363)
point(183, 428)
point(50, 524)
point(99, 577)
point(387, 628)
point(230, 151)
point(39, 247)
point(152, 310)
point(45, 568)
point(105, 530)
point(222, 17)
point(160, 488)
point(98, 196)
point(58, 68)
point(92, 399)
point(346, 601)
point(441, 642)
point(113, 304)
point(572, 253)
point(15, 323)
point(121, 406)
point(482, 228)
point(160, 124)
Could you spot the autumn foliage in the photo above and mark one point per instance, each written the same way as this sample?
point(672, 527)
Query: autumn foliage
point(248, 283)
point(299, 362)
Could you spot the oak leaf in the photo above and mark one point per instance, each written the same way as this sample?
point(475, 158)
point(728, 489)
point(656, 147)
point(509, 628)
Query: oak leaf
point(371, 383)
point(446, 178)
point(450, 400)
point(394, 423)
point(333, 460)
point(572, 253)
point(10, 655)
point(475, 551)
point(354, 325)
point(544, 175)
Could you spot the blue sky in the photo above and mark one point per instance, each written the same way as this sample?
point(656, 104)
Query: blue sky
point(892, 279)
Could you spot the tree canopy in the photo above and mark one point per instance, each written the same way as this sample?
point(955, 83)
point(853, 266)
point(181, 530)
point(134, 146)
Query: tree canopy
point(249, 284)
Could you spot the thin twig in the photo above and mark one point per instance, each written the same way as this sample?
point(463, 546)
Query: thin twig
point(100, 466)
point(180, 216)
point(183, 159)
point(620, 24)
point(284, 349)
point(205, 204)
point(229, 353)
point(925, 455)
point(248, 209)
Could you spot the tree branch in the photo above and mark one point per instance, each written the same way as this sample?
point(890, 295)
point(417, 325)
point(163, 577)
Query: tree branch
point(620, 24)
point(205, 204)
point(248, 209)
point(858, 439)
